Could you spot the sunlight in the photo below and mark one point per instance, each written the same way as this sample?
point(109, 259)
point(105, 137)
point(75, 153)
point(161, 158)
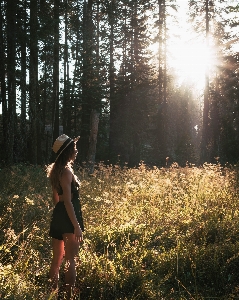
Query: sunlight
point(188, 56)
point(191, 61)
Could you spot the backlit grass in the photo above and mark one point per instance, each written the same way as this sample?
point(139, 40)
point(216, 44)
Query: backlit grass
point(150, 233)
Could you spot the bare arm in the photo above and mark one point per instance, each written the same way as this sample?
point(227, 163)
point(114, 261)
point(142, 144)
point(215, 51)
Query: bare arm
point(65, 181)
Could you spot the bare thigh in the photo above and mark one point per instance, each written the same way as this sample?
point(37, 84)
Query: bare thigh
point(58, 250)
point(71, 245)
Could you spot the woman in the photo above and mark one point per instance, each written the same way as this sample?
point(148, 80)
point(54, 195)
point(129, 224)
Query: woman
point(66, 224)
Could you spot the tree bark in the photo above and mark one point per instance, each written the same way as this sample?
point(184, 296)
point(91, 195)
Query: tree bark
point(66, 116)
point(86, 80)
point(3, 87)
point(112, 149)
point(23, 84)
point(11, 79)
point(33, 82)
point(205, 125)
point(94, 122)
point(161, 139)
point(55, 118)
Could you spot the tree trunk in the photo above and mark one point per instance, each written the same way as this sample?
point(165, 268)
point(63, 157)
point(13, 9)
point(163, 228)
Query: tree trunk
point(23, 127)
point(66, 116)
point(160, 50)
point(72, 101)
point(161, 131)
point(86, 80)
point(33, 82)
point(94, 122)
point(134, 149)
point(112, 148)
point(55, 118)
point(3, 87)
point(11, 79)
point(205, 127)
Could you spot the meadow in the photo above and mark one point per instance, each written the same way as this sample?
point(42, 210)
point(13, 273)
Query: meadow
point(151, 234)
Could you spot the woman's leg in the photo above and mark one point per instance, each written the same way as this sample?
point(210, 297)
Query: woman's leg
point(58, 254)
point(71, 251)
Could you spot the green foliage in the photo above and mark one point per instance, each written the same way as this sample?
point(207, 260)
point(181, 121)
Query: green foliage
point(150, 233)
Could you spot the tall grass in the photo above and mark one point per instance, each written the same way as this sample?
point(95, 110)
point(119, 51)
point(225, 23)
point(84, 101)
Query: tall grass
point(150, 233)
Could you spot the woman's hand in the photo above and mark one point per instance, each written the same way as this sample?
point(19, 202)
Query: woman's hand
point(78, 234)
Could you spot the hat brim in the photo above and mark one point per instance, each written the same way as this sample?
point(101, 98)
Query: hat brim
point(75, 140)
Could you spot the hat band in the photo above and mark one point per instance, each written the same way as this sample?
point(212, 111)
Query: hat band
point(63, 146)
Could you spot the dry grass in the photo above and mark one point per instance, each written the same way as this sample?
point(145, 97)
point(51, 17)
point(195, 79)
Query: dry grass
point(150, 233)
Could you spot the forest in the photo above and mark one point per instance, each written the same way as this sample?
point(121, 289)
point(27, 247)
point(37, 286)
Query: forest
point(154, 81)
point(152, 89)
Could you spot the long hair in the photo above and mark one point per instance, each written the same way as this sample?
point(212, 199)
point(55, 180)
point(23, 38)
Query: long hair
point(55, 170)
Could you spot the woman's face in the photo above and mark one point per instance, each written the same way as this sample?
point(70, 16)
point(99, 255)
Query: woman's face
point(75, 153)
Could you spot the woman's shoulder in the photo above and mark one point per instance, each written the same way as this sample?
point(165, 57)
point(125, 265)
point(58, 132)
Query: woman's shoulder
point(67, 174)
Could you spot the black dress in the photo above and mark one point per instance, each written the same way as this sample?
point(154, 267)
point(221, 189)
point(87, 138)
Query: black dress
point(60, 221)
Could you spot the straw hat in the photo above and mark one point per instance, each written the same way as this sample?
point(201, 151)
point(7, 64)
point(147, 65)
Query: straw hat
point(61, 143)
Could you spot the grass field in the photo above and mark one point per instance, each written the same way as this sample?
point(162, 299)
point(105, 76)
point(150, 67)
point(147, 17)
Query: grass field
point(151, 234)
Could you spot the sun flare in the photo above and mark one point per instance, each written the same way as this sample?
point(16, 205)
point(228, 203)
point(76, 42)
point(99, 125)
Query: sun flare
point(191, 60)
point(188, 55)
